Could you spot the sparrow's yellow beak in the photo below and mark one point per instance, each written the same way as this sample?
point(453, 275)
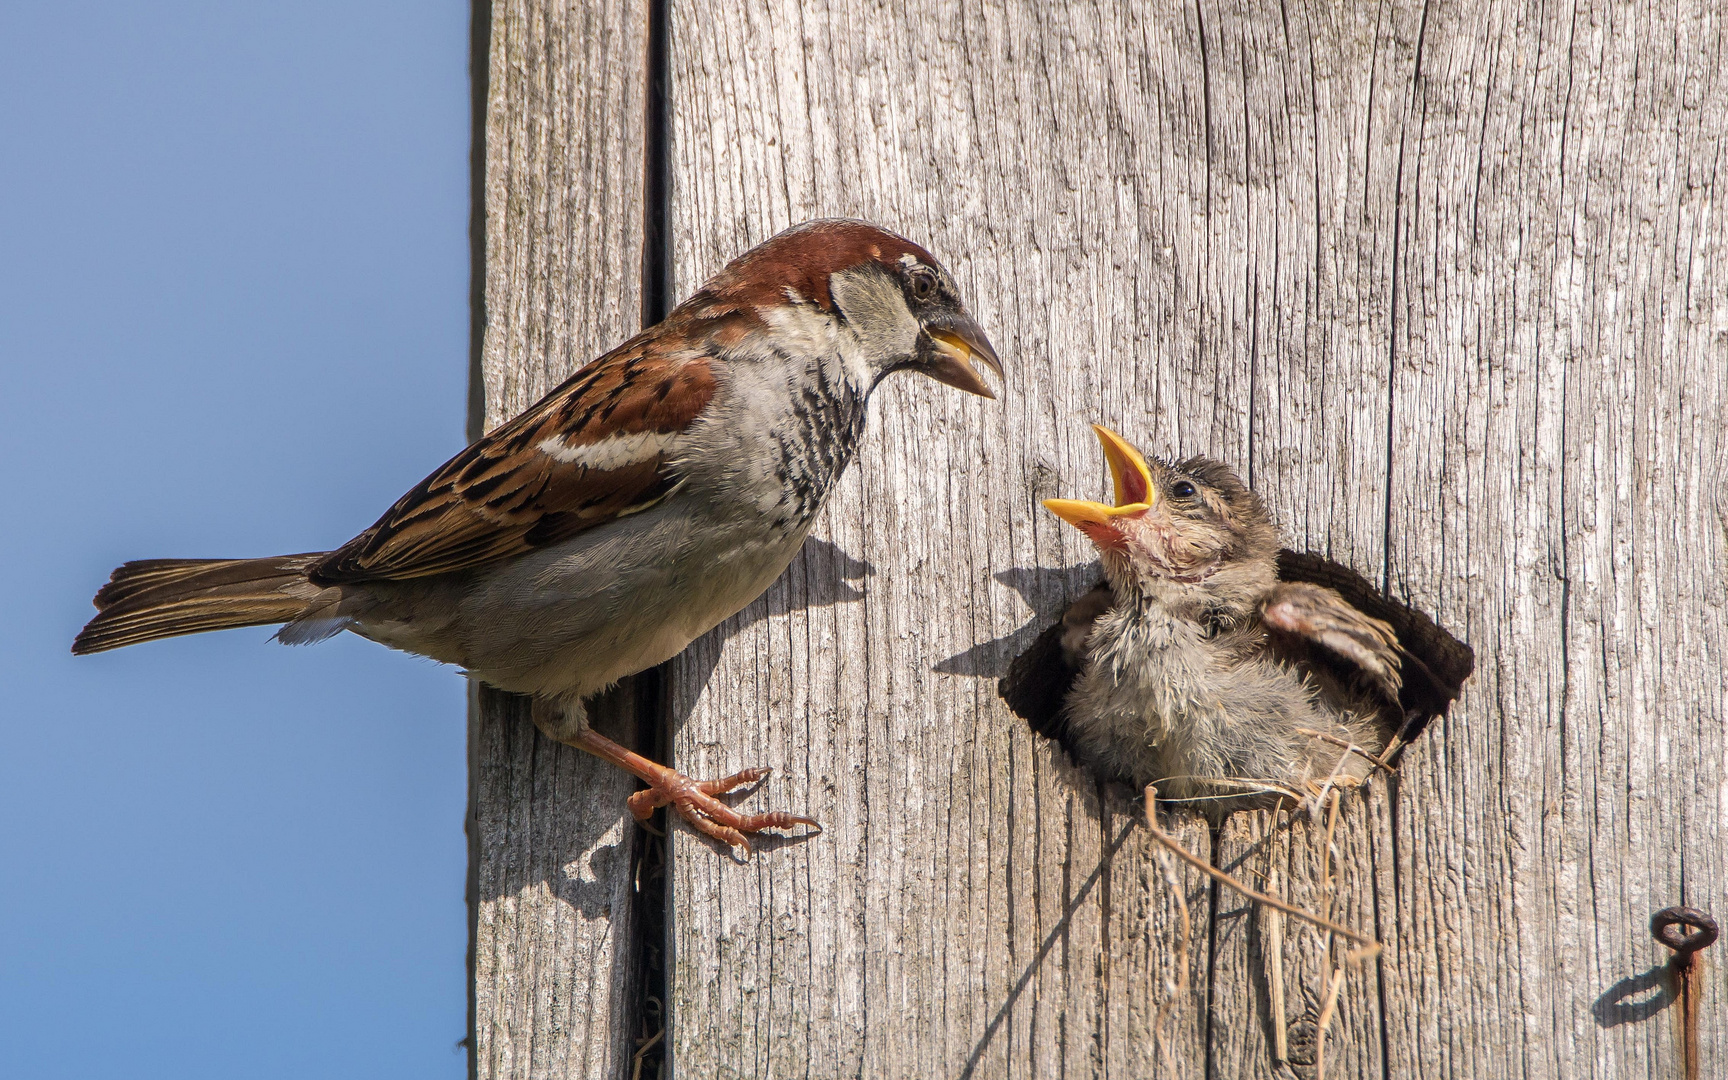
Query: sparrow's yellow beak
point(956, 341)
point(1134, 491)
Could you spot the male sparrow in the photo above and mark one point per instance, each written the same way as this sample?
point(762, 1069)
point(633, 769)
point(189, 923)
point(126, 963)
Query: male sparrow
point(657, 491)
point(1213, 665)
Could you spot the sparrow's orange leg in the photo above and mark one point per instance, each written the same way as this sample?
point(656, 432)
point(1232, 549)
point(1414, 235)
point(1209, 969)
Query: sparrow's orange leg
point(693, 799)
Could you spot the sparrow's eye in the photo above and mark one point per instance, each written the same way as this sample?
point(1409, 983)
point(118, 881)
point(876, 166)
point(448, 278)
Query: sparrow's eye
point(1182, 489)
point(923, 283)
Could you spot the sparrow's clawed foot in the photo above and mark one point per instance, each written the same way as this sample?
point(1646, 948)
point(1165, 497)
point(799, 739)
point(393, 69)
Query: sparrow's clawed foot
point(695, 801)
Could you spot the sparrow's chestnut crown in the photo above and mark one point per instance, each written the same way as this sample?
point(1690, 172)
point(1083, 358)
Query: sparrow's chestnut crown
point(894, 296)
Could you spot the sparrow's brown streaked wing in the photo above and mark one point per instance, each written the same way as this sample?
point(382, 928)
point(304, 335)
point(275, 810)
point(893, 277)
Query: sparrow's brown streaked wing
point(1304, 617)
point(592, 450)
point(1435, 663)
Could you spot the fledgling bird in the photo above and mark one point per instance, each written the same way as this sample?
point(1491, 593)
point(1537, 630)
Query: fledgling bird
point(655, 493)
point(1206, 665)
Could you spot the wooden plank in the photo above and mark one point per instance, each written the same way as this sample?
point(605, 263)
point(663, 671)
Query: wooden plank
point(554, 947)
point(1559, 412)
point(964, 913)
point(1293, 262)
point(1444, 281)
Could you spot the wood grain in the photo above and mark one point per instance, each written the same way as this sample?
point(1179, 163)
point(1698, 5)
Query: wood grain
point(1559, 407)
point(1446, 281)
point(555, 948)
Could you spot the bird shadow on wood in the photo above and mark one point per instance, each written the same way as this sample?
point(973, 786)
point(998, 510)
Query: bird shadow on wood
point(1622, 1003)
point(1047, 591)
point(820, 576)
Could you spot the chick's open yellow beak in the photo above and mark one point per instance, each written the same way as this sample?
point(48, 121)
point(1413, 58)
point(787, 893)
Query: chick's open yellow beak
point(1127, 468)
point(1133, 480)
point(1082, 514)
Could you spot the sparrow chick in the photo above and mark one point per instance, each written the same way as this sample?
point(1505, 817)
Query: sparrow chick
point(1195, 668)
point(655, 493)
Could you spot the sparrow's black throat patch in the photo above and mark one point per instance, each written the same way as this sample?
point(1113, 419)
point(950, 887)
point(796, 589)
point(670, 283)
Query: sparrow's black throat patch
point(814, 447)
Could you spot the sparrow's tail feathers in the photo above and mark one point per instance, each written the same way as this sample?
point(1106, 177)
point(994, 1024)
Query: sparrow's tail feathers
point(158, 598)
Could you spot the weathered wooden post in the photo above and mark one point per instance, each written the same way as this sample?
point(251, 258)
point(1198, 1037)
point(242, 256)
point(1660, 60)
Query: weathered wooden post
point(1448, 282)
point(561, 133)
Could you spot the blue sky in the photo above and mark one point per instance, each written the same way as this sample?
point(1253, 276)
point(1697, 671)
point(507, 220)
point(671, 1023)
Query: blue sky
point(233, 321)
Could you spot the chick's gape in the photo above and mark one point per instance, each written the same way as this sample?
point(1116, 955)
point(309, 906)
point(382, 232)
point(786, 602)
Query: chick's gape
point(653, 494)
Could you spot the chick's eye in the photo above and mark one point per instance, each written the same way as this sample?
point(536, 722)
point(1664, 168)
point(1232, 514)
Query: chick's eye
point(923, 284)
point(1182, 489)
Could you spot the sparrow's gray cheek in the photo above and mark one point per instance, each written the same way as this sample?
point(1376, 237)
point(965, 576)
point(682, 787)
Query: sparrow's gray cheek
point(875, 308)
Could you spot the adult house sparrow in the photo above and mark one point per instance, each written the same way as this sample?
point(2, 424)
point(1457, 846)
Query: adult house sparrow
point(655, 493)
point(1207, 658)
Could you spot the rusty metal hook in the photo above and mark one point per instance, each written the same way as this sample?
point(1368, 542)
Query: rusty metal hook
point(1685, 930)
point(1700, 930)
